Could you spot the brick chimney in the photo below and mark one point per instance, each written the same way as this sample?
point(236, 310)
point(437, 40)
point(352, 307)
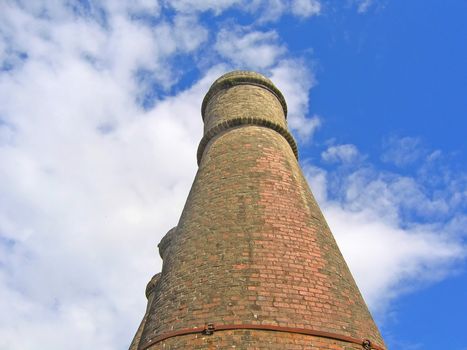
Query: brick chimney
point(252, 263)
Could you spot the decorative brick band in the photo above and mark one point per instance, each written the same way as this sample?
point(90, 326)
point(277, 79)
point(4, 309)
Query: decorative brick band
point(231, 123)
point(209, 329)
point(247, 79)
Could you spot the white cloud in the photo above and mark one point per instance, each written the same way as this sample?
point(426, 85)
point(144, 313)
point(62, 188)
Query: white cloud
point(294, 80)
point(317, 179)
point(265, 10)
point(274, 9)
point(306, 8)
point(145, 7)
point(189, 33)
point(388, 260)
point(190, 6)
point(402, 192)
point(341, 153)
point(253, 49)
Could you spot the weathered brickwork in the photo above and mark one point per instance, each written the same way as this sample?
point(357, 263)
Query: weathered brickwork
point(252, 246)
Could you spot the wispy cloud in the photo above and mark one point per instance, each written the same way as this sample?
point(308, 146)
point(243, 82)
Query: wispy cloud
point(402, 151)
point(363, 5)
point(347, 153)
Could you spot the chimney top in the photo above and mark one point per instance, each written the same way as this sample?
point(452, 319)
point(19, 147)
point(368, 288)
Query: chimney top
point(240, 77)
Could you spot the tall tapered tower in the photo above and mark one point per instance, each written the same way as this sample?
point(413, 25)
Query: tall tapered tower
point(252, 263)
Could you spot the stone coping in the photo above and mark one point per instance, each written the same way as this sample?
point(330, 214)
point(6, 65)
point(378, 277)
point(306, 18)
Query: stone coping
point(244, 121)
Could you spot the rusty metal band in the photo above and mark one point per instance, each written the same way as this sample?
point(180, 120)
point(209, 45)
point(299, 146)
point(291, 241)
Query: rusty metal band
point(243, 80)
point(209, 329)
point(235, 122)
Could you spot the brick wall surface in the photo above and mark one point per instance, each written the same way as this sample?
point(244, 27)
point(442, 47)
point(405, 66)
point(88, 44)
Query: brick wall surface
point(252, 246)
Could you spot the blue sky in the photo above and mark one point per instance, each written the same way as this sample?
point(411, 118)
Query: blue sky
point(100, 121)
